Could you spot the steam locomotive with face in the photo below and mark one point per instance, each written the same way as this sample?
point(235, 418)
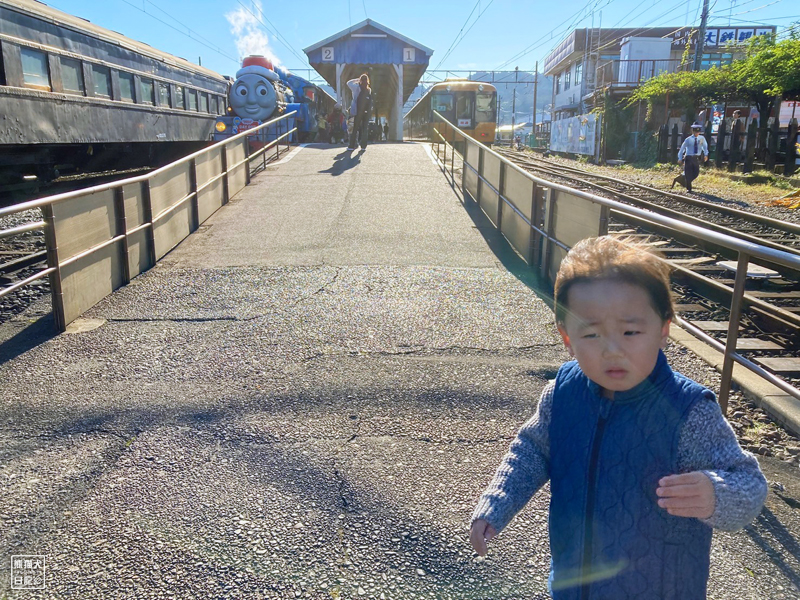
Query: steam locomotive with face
point(263, 91)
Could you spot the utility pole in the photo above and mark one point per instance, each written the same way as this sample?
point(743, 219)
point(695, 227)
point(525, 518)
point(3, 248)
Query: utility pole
point(701, 37)
point(535, 88)
point(514, 105)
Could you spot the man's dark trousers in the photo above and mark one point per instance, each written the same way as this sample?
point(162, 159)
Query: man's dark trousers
point(691, 169)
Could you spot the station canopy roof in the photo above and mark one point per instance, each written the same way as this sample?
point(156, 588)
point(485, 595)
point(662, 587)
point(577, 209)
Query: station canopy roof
point(369, 47)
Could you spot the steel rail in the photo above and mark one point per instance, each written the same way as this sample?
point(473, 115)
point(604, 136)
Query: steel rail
point(786, 226)
point(745, 249)
point(15, 208)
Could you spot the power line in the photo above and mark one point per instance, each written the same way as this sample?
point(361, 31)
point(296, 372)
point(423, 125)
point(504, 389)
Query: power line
point(457, 41)
point(364, 4)
point(274, 32)
point(217, 50)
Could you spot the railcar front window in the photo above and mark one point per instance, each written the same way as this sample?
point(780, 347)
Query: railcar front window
point(179, 97)
point(35, 71)
point(72, 76)
point(148, 92)
point(485, 107)
point(442, 102)
point(102, 81)
point(126, 87)
point(163, 94)
point(464, 106)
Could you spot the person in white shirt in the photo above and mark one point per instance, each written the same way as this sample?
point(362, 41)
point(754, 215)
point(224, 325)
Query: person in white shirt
point(692, 149)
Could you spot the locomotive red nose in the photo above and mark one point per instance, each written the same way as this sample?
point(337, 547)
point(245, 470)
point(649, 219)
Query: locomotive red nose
point(258, 60)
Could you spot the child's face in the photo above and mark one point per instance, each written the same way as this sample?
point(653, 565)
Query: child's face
point(613, 331)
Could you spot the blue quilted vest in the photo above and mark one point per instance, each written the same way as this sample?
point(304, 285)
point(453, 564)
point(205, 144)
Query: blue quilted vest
point(609, 539)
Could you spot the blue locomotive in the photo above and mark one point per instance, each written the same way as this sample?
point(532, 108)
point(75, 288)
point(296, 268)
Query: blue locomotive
point(263, 91)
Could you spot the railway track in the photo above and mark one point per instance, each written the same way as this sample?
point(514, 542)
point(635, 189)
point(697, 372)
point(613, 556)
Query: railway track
point(703, 273)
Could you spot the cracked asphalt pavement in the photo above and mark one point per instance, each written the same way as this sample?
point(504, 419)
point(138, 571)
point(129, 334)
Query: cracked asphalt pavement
point(267, 414)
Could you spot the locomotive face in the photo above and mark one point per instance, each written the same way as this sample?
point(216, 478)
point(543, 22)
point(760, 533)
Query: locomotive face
point(253, 97)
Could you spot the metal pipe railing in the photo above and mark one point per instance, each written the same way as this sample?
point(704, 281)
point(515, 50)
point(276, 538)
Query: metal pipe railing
point(745, 249)
point(46, 204)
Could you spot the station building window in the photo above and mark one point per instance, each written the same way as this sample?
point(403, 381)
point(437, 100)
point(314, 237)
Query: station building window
point(558, 83)
point(72, 76)
point(179, 97)
point(35, 71)
point(126, 86)
point(191, 97)
point(164, 94)
point(102, 81)
point(203, 103)
point(578, 73)
point(148, 92)
point(566, 78)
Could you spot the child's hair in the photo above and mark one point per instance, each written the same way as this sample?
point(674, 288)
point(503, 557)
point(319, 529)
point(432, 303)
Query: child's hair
point(614, 259)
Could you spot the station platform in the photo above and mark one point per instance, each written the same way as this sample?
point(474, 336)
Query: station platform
point(304, 399)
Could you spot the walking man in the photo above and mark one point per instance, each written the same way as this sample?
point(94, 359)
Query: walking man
point(361, 109)
point(692, 149)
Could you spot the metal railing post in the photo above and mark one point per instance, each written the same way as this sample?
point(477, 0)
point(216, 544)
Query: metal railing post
point(223, 155)
point(480, 175)
point(246, 161)
point(195, 204)
point(733, 330)
point(56, 294)
point(453, 160)
point(147, 209)
point(501, 196)
point(122, 229)
point(552, 195)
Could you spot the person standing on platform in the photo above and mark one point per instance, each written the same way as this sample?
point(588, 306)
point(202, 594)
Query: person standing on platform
point(693, 147)
point(361, 109)
point(386, 132)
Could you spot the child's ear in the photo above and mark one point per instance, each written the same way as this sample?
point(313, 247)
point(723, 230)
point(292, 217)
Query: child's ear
point(665, 332)
point(565, 338)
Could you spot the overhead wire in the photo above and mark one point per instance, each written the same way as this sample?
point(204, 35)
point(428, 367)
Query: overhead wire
point(274, 31)
point(458, 39)
point(215, 49)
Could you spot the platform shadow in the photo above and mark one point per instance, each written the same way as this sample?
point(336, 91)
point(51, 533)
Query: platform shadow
point(787, 544)
point(28, 337)
point(343, 161)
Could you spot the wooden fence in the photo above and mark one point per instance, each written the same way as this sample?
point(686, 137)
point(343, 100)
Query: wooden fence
point(739, 148)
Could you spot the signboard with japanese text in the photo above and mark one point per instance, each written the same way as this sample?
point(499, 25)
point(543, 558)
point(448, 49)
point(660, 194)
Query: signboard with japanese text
point(719, 36)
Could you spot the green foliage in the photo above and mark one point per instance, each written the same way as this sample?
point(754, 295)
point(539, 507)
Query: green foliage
point(768, 70)
point(617, 116)
point(647, 149)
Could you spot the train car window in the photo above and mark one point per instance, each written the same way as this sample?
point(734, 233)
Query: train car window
point(179, 97)
point(464, 106)
point(191, 96)
point(126, 86)
point(485, 107)
point(102, 81)
point(214, 108)
point(203, 103)
point(148, 92)
point(163, 94)
point(2, 67)
point(35, 71)
point(442, 102)
point(72, 76)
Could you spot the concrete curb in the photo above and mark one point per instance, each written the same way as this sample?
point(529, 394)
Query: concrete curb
point(782, 407)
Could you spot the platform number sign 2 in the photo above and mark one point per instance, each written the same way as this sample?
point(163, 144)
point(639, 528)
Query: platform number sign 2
point(327, 54)
point(409, 54)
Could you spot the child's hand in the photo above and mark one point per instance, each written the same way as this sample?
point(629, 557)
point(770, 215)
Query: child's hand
point(480, 533)
point(687, 495)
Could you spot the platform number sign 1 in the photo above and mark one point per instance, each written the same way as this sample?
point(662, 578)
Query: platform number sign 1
point(327, 54)
point(409, 54)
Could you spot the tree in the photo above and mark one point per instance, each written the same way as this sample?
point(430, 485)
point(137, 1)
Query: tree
point(768, 71)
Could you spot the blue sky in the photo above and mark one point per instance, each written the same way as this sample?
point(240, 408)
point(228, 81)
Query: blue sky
point(491, 34)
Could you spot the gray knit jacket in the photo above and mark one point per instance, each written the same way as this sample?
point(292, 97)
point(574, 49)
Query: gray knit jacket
point(706, 439)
